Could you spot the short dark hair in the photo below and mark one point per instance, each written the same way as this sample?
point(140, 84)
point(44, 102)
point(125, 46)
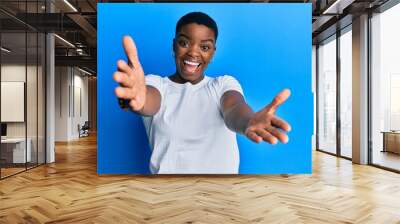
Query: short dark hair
point(199, 18)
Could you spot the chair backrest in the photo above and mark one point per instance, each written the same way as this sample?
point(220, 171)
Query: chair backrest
point(86, 124)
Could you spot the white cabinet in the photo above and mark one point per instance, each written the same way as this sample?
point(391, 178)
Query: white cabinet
point(18, 149)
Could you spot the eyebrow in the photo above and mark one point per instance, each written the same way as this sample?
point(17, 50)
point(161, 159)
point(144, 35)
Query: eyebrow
point(187, 37)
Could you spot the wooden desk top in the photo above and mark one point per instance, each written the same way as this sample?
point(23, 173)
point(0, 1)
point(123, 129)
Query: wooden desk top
point(13, 140)
point(391, 132)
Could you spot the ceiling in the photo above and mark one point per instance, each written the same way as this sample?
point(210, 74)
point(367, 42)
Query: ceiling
point(75, 21)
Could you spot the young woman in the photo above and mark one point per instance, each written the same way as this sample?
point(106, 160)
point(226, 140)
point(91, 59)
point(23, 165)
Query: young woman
point(192, 119)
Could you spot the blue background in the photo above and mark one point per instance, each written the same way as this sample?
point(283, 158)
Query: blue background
point(267, 47)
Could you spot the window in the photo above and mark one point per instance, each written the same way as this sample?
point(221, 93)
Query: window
point(327, 95)
point(385, 88)
point(346, 75)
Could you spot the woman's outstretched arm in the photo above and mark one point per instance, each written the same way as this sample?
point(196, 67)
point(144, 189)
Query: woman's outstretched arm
point(144, 100)
point(263, 125)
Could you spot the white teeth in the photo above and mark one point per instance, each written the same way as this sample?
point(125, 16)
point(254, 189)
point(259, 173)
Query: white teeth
point(191, 63)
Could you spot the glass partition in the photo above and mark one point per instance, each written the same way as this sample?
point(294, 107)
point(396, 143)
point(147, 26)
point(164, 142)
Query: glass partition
point(13, 108)
point(327, 95)
point(22, 89)
point(346, 92)
point(385, 89)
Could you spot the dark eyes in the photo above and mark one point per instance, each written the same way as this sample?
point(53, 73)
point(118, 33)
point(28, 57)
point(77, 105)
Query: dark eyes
point(205, 48)
point(185, 44)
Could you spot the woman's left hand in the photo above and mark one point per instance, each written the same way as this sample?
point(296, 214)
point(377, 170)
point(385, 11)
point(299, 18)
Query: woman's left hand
point(265, 125)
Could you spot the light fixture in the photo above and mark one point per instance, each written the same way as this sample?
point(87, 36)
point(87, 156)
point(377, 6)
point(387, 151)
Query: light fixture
point(65, 41)
point(5, 50)
point(70, 5)
point(337, 7)
point(84, 71)
point(80, 51)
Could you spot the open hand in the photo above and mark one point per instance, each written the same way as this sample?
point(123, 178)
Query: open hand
point(131, 77)
point(265, 125)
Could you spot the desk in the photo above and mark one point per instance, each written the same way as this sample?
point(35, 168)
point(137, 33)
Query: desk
point(16, 147)
point(391, 141)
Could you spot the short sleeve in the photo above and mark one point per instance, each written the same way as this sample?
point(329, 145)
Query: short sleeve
point(227, 83)
point(155, 81)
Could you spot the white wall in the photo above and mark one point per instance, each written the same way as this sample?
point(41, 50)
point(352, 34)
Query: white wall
point(80, 84)
point(13, 72)
point(71, 93)
point(16, 72)
point(61, 103)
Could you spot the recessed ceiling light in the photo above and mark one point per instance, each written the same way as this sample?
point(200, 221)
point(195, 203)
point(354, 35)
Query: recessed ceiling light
point(70, 5)
point(65, 41)
point(84, 71)
point(5, 50)
point(337, 7)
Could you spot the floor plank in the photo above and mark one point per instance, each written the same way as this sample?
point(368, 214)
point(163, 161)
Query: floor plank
point(70, 191)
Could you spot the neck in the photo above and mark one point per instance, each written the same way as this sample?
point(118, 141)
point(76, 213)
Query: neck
point(178, 79)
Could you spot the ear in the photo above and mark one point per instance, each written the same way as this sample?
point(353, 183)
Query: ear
point(173, 45)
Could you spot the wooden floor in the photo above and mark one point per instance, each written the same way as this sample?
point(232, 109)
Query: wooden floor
point(5, 172)
point(70, 191)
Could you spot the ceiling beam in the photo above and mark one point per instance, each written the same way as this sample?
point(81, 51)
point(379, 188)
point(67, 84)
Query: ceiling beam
point(81, 61)
point(86, 26)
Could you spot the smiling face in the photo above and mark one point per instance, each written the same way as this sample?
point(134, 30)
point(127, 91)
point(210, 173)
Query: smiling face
point(194, 47)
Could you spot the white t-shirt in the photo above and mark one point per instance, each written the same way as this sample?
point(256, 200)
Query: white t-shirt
point(188, 134)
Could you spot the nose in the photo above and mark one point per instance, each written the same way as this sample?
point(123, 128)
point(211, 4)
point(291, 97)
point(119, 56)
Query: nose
point(193, 51)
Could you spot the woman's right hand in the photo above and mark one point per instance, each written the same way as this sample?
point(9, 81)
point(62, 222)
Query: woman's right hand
point(131, 77)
